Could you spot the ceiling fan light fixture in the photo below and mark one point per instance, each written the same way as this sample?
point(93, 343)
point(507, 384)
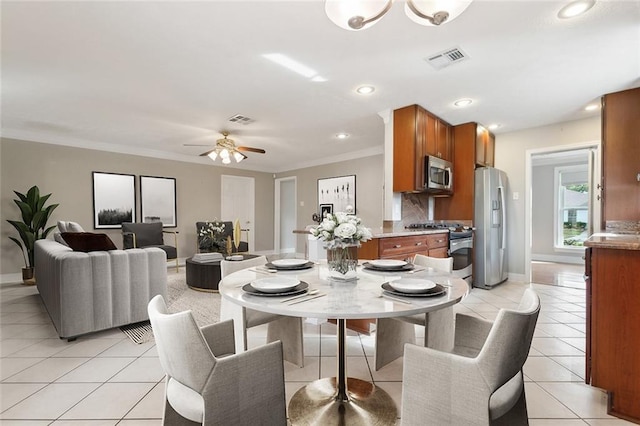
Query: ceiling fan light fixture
point(224, 154)
point(354, 15)
point(238, 156)
point(226, 160)
point(434, 12)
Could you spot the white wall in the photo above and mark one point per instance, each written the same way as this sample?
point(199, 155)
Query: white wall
point(511, 151)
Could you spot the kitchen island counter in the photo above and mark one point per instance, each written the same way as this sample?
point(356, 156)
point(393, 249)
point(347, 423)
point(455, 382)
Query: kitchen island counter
point(614, 241)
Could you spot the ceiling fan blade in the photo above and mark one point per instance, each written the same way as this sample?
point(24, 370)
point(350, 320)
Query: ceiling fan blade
point(249, 149)
point(204, 154)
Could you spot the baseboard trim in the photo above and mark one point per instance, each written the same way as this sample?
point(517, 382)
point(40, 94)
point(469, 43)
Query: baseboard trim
point(575, 260)
point(517, 277)
point(11, 278)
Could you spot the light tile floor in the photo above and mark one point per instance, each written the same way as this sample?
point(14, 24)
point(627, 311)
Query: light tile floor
point(105, 379)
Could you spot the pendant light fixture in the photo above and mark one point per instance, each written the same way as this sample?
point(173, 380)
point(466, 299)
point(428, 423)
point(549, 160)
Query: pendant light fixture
point(355, 15)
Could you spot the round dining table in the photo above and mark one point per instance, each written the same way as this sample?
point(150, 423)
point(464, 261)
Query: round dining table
point(343, 400)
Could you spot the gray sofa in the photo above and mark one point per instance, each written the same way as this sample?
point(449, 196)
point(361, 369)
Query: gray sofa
point(88, 292)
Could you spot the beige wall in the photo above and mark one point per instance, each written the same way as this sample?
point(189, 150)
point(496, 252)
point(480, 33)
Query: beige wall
point(66, 173)
point(511, 152)
point(369, 189)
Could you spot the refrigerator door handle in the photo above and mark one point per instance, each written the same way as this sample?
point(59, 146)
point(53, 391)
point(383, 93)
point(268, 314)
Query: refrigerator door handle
point(503, 218)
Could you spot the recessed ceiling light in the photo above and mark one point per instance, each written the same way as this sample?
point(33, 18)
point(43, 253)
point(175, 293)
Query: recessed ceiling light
point(342, 135)
point(463, 102)
point(493, 126)
point(291, 64)
point(575, 8)
point(365, 90)
point(591, 107)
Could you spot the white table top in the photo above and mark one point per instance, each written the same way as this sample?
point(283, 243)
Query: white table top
point(346, 300)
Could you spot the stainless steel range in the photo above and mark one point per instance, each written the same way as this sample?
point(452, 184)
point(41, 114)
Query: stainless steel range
point(460, 246)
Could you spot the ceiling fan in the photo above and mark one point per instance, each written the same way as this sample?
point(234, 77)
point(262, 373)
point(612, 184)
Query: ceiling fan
point(226, 148)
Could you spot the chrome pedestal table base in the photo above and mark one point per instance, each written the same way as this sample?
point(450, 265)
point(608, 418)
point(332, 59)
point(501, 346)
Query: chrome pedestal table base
point(341, 400)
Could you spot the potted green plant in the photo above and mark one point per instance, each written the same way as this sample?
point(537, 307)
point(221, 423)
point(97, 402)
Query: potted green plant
point(33, 225)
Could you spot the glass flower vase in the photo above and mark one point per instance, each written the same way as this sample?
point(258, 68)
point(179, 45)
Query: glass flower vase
point(342, 262)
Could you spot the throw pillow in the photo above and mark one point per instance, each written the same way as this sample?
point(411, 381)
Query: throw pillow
point(88, 241)
point(65, 226)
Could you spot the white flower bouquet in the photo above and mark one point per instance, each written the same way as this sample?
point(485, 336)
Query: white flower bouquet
point(342, 235)
point(339, 230)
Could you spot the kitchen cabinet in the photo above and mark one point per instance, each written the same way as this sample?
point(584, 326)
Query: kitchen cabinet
point(613, 324)
point(620, 156)
point(459, 206)
point(405, 247)
point(485, 147)
point(409, 131)
point(416, 133)
point(438, 139)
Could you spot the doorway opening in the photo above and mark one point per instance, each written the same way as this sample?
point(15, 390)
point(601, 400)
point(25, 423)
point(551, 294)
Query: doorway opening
point(562, 210)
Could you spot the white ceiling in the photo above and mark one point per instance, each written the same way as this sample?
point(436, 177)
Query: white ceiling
point(148, 77)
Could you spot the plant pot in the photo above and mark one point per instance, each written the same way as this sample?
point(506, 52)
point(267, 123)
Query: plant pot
point(27, 276)
point(343, 262)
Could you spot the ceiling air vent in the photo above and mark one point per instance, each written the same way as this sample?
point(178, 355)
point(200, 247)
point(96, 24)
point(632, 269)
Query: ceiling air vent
point(241, 119)
point(447, 57)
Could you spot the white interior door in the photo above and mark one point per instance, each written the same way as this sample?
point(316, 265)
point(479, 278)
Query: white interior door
point(285, 215)
point(238, 202)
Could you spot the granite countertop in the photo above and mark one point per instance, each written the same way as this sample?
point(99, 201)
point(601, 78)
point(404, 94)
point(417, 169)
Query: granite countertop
point(614, 241)
point(407, 232)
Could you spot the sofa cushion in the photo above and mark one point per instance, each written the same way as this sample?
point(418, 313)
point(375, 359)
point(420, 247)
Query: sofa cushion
point(88, 241)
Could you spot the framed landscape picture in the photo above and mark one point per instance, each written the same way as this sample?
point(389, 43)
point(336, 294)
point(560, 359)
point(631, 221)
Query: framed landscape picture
point(158, 200)
point(340, 192)
point(114, 199)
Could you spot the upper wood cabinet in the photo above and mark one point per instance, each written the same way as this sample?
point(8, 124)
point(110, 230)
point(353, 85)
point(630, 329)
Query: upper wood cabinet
point(409, 130)
point(438, 140)
point(471, 143)
point(621, 156)
point(416, 133)
point(485, 147)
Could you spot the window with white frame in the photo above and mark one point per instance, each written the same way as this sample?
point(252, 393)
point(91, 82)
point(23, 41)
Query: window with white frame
point(572, 201)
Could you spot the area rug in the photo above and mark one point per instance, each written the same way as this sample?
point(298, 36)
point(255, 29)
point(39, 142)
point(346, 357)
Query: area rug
point(204, 306)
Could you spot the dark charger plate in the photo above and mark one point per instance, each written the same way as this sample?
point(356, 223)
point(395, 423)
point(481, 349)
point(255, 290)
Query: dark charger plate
point(438, 290)
point(403, 268)
point(299, 289)
point(289, 268)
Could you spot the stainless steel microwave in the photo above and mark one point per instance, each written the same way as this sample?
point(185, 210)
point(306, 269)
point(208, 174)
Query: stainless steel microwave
point(438, 175)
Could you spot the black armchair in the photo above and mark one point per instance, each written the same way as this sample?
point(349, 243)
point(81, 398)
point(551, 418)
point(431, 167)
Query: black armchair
point(243, 246)
point(140, 235)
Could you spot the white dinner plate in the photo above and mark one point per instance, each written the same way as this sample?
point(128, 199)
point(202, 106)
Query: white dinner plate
point(388, 263)
point(275, 284)
point(412, 285)
point(289, 262)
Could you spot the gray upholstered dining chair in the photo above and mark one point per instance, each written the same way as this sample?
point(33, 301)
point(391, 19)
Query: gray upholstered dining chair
point(393, 333)
point(279, 327)
point(139, 235)
point(206, 382)
point(481, 381)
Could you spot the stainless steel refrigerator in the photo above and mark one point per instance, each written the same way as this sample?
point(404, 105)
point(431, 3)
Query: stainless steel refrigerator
point(490, 266)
